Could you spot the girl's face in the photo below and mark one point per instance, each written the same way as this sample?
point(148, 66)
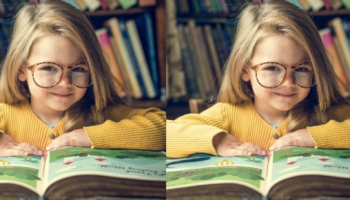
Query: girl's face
point(277, 101)
point(56, 49)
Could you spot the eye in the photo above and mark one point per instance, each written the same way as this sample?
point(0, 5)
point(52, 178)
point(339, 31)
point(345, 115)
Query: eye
point(272, 68)
point(49, 68)
point(79, 69)
point(303, 69)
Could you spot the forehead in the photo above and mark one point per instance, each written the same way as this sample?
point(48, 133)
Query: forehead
point(278, 48)
point(54, 48)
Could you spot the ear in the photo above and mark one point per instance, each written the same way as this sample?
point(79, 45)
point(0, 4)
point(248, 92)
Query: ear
point(21, 75)
point(245, 75)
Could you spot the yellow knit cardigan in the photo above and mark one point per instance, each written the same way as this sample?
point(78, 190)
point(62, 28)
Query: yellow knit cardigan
point(193, 133)
point(125, 127)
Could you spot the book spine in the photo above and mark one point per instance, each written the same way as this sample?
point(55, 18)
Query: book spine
point(131, 52)
point(297, 3)
point(213, 53)
point(120, 62)
point(339, 30)
point(104, 41)
point(92, 4)
point(316, 5)
point(188, 65)
point(112, 4)
point(73, 3)
point(327, 39)
point(346, 4)
point(81, 4)
point(144, 3)
point(336, 4)
point(200, 81)
point(103, 4)
point(327, 5)
point(140, 57)
point(126, 4)
point(305, 4)
point(206, 66)
point(144, 25)
point(119, 40)
point(224, 6)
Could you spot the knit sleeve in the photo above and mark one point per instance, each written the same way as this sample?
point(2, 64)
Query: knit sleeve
point(193, 133)
point(336, 132)
point(130, 128)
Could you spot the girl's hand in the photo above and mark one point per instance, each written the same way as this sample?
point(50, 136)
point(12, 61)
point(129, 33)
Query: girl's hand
point(77, 138)
point(300, 138)
point(227, 145)
point(10, 147)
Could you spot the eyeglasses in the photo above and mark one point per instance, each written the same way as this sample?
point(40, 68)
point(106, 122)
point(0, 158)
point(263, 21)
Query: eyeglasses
point(272, 74)
point(49, 74)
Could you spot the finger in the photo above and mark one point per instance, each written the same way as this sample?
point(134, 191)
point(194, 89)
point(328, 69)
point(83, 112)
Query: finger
point(253, 148)
point(282, 144)
point(237, 152)
point(14, 152)
point(58, 144)
point(29, 148)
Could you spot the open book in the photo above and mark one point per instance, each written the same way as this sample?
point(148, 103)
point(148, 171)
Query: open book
point(294, 172)
point(75, 172)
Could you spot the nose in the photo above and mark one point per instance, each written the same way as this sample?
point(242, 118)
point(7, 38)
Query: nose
point(66, 80)
point(289, 79)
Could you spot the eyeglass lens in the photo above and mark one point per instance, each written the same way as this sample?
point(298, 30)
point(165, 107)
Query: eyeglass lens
point(48, 74)
point(271, 75)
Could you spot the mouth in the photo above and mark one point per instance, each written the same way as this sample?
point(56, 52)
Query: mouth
point(285, 94)
point(62, 95)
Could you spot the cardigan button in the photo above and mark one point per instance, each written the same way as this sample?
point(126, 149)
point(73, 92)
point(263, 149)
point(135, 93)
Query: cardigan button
point(275, 136)
point(52, 136)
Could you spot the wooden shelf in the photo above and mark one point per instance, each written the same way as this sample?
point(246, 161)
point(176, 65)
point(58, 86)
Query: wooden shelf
point(104, 13)
point(145, 103)
point(330, 13)
point(321, 13)
point(131, 11)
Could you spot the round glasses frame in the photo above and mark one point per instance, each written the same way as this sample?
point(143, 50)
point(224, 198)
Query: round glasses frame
point(32, 68)
point(294, 67)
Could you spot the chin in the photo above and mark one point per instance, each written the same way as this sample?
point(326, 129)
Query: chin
point(284, 108)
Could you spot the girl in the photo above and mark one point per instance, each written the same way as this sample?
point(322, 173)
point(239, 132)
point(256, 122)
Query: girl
point(57, 90)
point(279, 90)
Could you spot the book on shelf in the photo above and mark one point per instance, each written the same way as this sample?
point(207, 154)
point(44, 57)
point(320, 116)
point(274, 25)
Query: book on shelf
point(92, 5)
point(290, 173)
point(140, 57)
point(336, 24)
point(113, 24)
point(144, 26)
point(334, 58)
point(76, 172)
point(130, 51)
point(111, 59)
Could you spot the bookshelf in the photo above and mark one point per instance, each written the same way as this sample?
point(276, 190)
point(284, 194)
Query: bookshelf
point(179, 106)
point(157, 13)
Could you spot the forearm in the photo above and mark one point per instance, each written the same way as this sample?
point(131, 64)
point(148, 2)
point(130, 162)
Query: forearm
point(331, 135)
point(186, 139)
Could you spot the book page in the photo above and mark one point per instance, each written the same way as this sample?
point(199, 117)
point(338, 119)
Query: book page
point(294, 161)
point(130, 164)
point(26, 171)
point(203, 169)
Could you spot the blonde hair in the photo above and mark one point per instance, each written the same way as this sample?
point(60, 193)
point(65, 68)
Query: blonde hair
point(57, 17)
point(258, 21)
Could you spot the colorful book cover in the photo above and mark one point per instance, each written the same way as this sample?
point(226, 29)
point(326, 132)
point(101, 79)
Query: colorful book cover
point(273, 177)
point(36, 174)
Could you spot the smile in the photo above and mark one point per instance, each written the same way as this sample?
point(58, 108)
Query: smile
point(61, 95)
point(284, 95)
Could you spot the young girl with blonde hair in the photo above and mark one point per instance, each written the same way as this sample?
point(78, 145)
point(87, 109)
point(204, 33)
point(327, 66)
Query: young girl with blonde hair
point(57, 90)
point(279, 90)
